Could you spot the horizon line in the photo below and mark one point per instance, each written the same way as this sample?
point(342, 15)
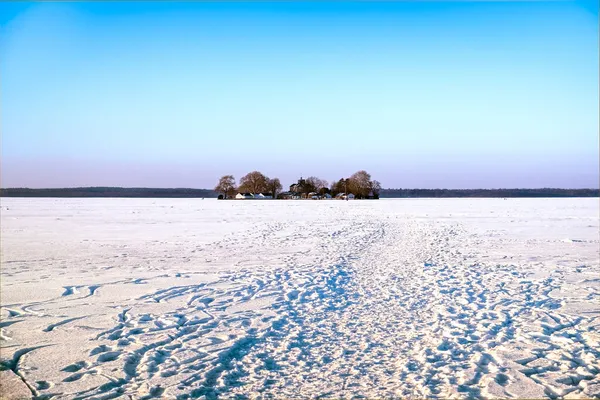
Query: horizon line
point(212, 190)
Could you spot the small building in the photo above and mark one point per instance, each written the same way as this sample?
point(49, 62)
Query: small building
point(263, 196)
point(342, 196)
point(244, 196)
point(285, 195)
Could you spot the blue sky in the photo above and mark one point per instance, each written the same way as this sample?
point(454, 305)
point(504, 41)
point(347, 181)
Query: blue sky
point(420, 94)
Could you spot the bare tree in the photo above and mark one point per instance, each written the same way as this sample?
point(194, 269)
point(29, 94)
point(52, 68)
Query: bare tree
point(226, 186)
point(375, 188)
point(316, 184)
point(360, 184)
point(253, 182)
point(308, 187)
point(274, 186)
point(338, 187)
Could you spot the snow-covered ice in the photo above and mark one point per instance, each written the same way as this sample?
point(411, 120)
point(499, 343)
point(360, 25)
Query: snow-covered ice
point(185, 298)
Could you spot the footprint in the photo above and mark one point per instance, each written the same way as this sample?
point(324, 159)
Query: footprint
point(74, 377)
point(100, 349)
point(69, 290)
point(75, 367)
point(502, 379)
point(43, 385)
point(13, 313)
point(207, 300)
point(115, 335)
point(146, 318)
point(110, 356)
point(157, 391)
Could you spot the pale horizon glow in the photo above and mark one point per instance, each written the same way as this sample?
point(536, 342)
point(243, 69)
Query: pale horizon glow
point(467, 94)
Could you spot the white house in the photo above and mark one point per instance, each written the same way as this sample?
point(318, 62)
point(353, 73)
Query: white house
point(244, 196)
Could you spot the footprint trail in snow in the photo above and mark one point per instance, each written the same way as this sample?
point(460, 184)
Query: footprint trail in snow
point(357, 301)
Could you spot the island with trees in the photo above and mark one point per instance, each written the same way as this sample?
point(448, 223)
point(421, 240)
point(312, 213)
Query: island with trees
point(256, 185)
point(337, 189)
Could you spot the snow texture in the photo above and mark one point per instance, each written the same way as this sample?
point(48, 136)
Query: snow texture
point(174, 298)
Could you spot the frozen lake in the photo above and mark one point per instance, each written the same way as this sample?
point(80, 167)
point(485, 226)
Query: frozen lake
point(184, 298)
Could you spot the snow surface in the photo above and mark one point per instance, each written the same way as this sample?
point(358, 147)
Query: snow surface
point(184, 298)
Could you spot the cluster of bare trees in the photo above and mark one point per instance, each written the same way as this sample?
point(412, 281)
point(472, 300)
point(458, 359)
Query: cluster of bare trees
point(253, 182)
point(311, 184)
point(359, 184)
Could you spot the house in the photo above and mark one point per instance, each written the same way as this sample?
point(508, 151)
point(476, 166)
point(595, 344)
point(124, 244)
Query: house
point(342, 196)
point(298, 188)
point(285, 195)
point(263, 196)
point(244, 196)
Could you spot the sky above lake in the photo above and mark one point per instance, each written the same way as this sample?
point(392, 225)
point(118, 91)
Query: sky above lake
point(419, 94)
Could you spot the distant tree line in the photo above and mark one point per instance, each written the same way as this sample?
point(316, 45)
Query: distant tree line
point(106, 192)
point(544, 192)
point(336, 188)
